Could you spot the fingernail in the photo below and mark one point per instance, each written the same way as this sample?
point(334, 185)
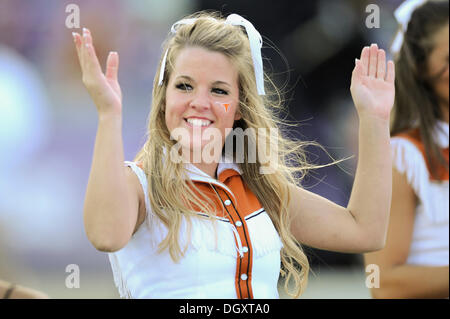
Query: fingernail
point(73, 35)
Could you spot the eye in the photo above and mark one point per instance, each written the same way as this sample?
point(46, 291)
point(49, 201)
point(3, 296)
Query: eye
point(220, 91)
point(184, 86)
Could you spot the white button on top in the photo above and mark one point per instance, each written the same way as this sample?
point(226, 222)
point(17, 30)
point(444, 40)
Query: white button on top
point(238, 224)
point(227, 202)
point(244, 277)
point(245, 249)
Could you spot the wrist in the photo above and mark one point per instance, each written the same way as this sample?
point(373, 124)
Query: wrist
point(371, 119)
point(109, 116)
point(374, 128)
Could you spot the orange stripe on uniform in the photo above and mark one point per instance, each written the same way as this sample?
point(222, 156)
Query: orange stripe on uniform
point(236, 212)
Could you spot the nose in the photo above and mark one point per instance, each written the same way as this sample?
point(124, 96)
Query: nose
point(201, 101)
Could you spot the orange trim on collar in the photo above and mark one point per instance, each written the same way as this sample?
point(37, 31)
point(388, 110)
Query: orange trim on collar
point(223, 176)
point(442, 173)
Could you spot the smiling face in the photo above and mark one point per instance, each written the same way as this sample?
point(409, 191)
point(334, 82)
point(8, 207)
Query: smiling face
point(202, 93)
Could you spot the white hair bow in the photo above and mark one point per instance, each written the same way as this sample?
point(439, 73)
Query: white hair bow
point(255, 47)
point(403, 15)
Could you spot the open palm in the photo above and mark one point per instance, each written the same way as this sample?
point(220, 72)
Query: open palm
point(103, 88)
point(372, 86)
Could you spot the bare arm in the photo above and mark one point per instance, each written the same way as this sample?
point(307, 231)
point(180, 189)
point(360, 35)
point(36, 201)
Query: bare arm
point(398, 279)
point(111, 203)
point(409, 281)
point(111, 206)
point(362, 225)
point(19, 292)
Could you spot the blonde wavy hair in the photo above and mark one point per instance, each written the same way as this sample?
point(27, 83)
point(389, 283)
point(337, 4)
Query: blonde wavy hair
point(170, 190)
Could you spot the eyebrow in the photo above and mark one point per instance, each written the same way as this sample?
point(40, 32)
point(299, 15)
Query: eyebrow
point(191, 79)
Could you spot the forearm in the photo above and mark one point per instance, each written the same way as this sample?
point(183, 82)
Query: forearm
point(106, 200)
point(370, 199)
point(408, 281)
point(19, 292)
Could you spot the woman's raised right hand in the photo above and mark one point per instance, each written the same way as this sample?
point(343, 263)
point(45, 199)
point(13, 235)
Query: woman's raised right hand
point(103, 88)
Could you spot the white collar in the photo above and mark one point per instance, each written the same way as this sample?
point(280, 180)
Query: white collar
point(196, 174)
point(225, 163)
point(440, 134)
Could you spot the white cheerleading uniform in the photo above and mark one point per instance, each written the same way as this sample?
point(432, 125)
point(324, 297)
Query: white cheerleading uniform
point(238, 258)
point(430, 239)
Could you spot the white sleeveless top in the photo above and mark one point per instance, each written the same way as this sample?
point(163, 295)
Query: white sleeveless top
point(430, 239)
point(209, 268)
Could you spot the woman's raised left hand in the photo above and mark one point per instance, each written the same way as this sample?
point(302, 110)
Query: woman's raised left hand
point(372, 87)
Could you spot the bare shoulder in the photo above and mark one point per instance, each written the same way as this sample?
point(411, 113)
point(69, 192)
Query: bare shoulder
point(135, 186)
point(401, 188)
point(133, 183)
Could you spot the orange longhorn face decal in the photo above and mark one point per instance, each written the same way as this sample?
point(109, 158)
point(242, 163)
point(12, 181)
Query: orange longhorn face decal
point(225, 105)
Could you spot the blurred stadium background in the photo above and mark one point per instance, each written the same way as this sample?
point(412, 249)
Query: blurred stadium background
point(48, 122)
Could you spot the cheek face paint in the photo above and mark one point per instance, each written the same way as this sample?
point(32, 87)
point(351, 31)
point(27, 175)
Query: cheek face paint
point(224, 105)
